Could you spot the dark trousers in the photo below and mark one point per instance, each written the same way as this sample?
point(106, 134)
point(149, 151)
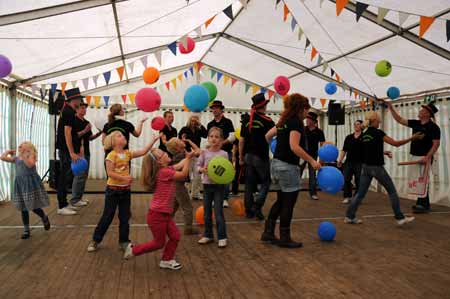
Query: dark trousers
point(26, 217)
point(351, 169)
point(311, 175)
point(64, 179)
point(115, 199)
point(237, 177)
point(284, 208)
point(256, 168)
point(424, 201)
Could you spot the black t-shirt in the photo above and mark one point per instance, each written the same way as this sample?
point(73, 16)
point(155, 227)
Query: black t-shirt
point(67, 118)
point(255, 139)
point(125, 127)
point(283, 150)
point(373, 146)
point(431, 131)
point(194, 136)
point(169, 133)
point(227, 127)
point(79, 126)
point(353, 148)
point(313, 138)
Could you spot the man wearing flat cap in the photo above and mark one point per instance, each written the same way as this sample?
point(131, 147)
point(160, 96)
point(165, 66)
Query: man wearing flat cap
point(422, 150)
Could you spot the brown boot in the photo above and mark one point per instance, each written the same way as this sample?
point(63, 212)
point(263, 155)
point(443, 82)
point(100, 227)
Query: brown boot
point(190, 231)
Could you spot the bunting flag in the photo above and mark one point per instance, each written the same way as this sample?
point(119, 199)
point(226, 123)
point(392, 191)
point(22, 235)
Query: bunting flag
point(356, 93)
point(448, 29)
point(425, 23)
point(286, 12)
point(338, 78)
point(107, 76)
point(332, 72)
point(191, 69)
point(168, 85)
point(199, 65)
point(323, 102)
point(144, 61)
point(402, 18)
point(88, 100)
point(106, 99)
point(271, 93)
point(360, 8)
point(174, 83)
point(131, 66)
point(34, 88)
point(73, 83)
point(362, 104)
point(262, 90)
point(313, 101)
point(198, 31)
point(233, 81)
point(185, 74)
point(173, 48)
point(180, 77)
point(225, 79)
point(97, 101)
point(351, 91)
point(53, 87)
point(124, 98)
point(120, 72)
point(63, 87)
point(243, 3)
point(319, 61)
point(300, 33)
point(247, 87)
point(132, 97)
point(325, 66)
point(43, 86)
point(95, 79)
point(321, 2)
point(340, 4)
point(229, 12)
point(183, 41)
point(293, 24)
point(85, 83)
point(313, 53)
point(219, 76)
point(207, 23)
point(382, 12)
point(276, 3)
point(213, 73)
point(307, 44)
point(255, 89)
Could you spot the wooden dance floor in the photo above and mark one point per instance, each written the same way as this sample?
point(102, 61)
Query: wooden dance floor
point(374, 260)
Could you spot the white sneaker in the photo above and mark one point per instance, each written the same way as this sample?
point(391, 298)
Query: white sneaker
point(66, 212)
point(225, 204)
point(314, 197)
point(86, 201)
point(405, 220)
point(205, 240)
point(92, 246)
point(79, 203)
point(172, 265)
point(72, 207)
point(128, 251)
point(222, 243)
point(352, 221)
point(347, 200)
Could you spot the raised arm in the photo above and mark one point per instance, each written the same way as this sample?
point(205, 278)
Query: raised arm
point(8, 156)
point(398, 143)
point(395, 114)
point(137, 132)
point(181, 175)
point(145, 150)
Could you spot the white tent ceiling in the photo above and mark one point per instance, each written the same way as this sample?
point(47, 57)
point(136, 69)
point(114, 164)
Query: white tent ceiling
point(54, 41)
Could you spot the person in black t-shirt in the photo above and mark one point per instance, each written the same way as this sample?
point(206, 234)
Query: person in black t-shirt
point(314, 138)
point(167, 132)
point(352, 167)
point(253, 136)
point(239, 165)
point(373, 140)
point(424, 149)
point(68, 145)
point(285, 168)
point(82, 128)
point(227, 127)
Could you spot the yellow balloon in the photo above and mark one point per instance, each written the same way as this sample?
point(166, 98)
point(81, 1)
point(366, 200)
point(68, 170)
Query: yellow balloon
point(237, 133)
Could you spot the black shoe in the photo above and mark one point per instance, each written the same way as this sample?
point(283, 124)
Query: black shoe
point(259, 215)
point(285, 239)
point(249, 215)
point(25, 235)
point(418, 209)
point(269, 232)
point(46, 223)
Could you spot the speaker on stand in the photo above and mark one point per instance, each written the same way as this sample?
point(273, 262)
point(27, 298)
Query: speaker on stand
point(336, 117)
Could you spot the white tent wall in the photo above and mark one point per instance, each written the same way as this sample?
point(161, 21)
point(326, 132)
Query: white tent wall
point(5, 168)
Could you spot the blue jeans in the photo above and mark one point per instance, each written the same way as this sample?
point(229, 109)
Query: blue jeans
point(351, 169)
point(380, 174)
point(79, 183)
point(255, 167)
point(214, 193)
point(227, 187)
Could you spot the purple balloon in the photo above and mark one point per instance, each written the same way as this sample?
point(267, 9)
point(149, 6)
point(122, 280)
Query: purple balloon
point(5, 66)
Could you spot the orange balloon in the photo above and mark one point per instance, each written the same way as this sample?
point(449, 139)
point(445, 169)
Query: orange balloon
point(185, 109)
point(199, 214)
point(238, 207)
point(150, 75)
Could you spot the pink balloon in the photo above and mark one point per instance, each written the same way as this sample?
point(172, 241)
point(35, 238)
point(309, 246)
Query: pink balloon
point(158, 123)
point(190, 46)
point(148, 100)
point(282, 85)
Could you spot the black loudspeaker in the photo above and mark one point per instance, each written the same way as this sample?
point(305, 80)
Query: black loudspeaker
point(55, 102)
point(336, 114)
point(53, 173)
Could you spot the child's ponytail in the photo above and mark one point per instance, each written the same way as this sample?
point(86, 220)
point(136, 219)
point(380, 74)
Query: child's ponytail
point(149, 170)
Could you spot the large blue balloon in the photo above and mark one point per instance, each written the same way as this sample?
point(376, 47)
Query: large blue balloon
point(79, 166)
point(330, 179)
point(328, 153)
point(330, 88)
point(196, 98)
point(273, 145)
point(393, 92)
point(326, 231)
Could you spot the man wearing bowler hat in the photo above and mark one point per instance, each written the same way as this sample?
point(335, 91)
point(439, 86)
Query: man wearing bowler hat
point(424, 149)
point(227, 127)
point(67, 143)
point(256, 156)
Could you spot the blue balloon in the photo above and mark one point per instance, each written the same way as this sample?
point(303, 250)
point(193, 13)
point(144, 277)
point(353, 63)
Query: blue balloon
point(328, 153)
point(330, 179)
point(273, 145)
point(326, 231)
point(393, 92)
point(330, 88)
point(196, 98)
point(79, 166)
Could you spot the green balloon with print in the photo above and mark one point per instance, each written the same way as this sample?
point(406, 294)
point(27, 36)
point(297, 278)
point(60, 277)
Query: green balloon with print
point(221, 171)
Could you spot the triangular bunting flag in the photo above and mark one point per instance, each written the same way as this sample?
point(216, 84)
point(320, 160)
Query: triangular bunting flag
point(321, 2)
point(293, 23)
point(307, 44)
point(340, 4)
point(323, 102)
point(229, 12)
point(402, 16)
point(255, 89)
point(120, 72)
point(183, 41)
point(174, 83)
point(271, 93)
point(199, 65)
point(43, 86)
point(243, 3)
point(262, 90)
point(351, 91)
point(285, 12)
point(191, 69)
point(131, 66)
point(34, 88)
point(276, 3)
point(332, 72)
point(233, 81)
point(168, 85)
point(447, 25)
point(107, 76)
point(356, 93)
point(247, 87)
point(300, 33)
point(198, 31)
point(173, 48)
point(425, 23)
point(143, 60)
point(132, 97)
point(73, 83)
point(97, 101)
point(319, 61)
point(106, 99)
point(124, 98)
point(63, 87)
point(338, 78)
point(325, 66)
point(185, 74)
point(207, 23)
point(180, 77)
point(85, 83)
point(219, 76)
point(313, 101)
point(53, 87)
point(88, 100)
point(95, 79)
point(225, 79)
point(313, 53)
point(382, 12)
point(213, 73)
point(360, 8)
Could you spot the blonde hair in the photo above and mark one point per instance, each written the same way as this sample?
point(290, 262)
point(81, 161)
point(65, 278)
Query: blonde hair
point(369, 118)
point(216, 129)
point(28, 145)
point(171, 145)
point(108, 143)
point(114, 110)
point(149, 170)
point(189, 122)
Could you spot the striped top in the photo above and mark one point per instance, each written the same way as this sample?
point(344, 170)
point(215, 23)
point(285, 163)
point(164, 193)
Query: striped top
point(164, 191)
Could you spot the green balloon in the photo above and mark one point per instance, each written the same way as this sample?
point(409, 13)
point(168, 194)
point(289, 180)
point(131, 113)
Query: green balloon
point(221, 171)
point(383, 68)
point(212, 90)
